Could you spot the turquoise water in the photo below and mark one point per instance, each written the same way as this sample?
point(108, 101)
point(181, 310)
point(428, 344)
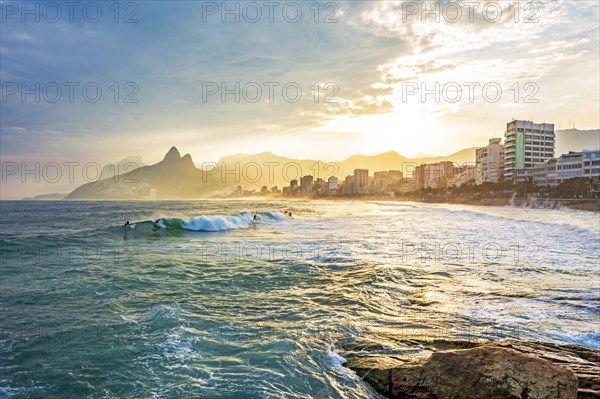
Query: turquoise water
point(255, 309)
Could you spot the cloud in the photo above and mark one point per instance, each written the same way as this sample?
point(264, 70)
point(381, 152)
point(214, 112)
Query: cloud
point(368, 54)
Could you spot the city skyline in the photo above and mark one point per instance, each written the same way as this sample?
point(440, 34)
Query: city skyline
point(35, 182)
point(521, 158)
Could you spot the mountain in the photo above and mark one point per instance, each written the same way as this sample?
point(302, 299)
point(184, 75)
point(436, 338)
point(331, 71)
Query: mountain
point(174, 177)
point(386, 161)
point(576, 140)
point(125, 165)
point(265, 169)
point(464, 156)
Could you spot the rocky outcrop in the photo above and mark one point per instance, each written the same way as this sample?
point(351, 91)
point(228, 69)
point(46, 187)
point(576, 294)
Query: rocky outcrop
point(477, 370)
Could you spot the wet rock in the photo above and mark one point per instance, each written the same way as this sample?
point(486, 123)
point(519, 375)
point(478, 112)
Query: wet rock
point(492, 370)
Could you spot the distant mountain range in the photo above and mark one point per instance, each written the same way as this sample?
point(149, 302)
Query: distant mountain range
point(176, 177)
point(283, 166)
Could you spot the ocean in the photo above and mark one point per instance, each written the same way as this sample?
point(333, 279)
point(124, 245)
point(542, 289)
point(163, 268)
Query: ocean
point(208, 302)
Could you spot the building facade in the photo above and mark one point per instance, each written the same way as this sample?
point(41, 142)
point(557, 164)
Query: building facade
point(542, 174)
point(591, 163)
point(306, 184)
point(361, 180)
point(332, 183)
point(433, 175)
point(462, 174)
point(489, 162)
point(569, 166)
point(558, 170)
point(386, 180)
point(349, 186)
point(527, 144)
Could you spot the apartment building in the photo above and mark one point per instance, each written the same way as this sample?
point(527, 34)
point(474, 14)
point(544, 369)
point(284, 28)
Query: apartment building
point(527, 144)
point(489, 162)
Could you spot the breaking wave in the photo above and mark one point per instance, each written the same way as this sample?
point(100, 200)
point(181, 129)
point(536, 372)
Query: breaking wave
point(241, 220)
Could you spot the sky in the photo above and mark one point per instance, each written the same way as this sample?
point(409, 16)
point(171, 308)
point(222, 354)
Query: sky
point(162, 67)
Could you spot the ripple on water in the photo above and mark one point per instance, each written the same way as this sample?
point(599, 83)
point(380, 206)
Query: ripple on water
point(192, 322)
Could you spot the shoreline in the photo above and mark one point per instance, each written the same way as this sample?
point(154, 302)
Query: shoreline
point(592, 205)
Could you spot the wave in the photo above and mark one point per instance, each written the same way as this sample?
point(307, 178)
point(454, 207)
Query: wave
point(241, 220)
point(589, 339)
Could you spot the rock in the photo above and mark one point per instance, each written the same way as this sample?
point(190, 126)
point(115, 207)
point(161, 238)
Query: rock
point(490, 370)
point(584, 393)
point(584, 362)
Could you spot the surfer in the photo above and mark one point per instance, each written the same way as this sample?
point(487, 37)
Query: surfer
point(127, 223)
point(255, 218)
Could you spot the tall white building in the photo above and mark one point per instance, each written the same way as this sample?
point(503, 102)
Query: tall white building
point(489, 162)
point(527, 144)
point(306, 184)
point(361, 179)
point(332, 183)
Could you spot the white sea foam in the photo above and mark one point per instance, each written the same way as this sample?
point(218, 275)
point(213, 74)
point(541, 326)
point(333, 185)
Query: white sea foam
point(242, 220)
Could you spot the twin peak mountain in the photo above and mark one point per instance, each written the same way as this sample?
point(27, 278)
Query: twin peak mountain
point(175, 177)
point(174, 159)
